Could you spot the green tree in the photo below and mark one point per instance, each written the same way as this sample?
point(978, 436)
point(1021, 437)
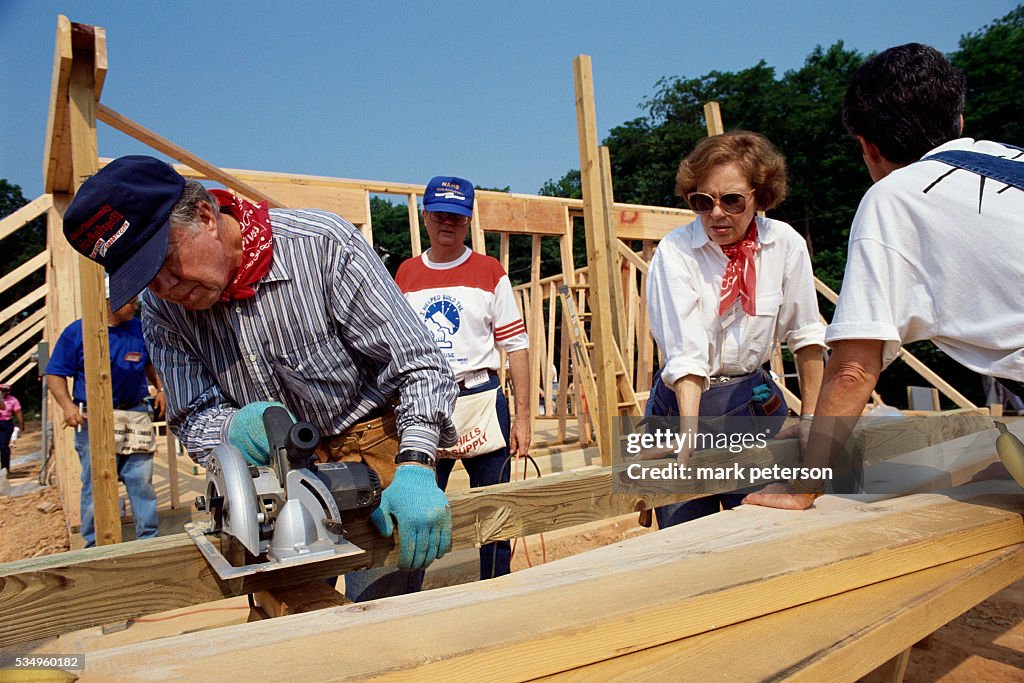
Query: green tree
point(993, 61)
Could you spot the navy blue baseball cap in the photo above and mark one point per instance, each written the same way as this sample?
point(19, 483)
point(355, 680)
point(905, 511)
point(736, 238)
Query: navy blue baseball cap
point(448, 193)
point(119, 219)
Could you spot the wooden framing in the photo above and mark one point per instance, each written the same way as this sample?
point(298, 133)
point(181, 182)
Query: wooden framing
point(79, 71)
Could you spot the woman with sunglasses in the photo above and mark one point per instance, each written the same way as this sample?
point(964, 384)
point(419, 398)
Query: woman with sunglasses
point(719, 292)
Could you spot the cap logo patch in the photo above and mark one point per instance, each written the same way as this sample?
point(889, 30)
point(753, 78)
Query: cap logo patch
point(101, 247)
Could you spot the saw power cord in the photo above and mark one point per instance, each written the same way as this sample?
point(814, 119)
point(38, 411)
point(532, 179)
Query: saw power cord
point(515, 542)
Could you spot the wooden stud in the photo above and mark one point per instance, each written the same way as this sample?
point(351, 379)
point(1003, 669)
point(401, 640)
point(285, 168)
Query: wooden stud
point(599, 260)
point(476, 230)
point(366, 227)
point(103, 461)
point(713, 119)
point(57, 152)
point(537, 352)
point(549, 360)
point(172, 466)
point(616, 299)
point(414, 225)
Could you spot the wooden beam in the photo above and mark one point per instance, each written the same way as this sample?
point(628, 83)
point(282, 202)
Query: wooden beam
point(739, 565)
point(160, 144)
point(476, 229)
point(599, 259)
point(22, 303)
point(27, 334)
point(57, 150)
point(713, 119)
point(851, 632)
point(25, 214)
point(14, 367)
point(63, 305)
point(280, 602)
point(99, 394)
point(20, 328)
point(22, 271)
point(616, 297)
point(414, 225)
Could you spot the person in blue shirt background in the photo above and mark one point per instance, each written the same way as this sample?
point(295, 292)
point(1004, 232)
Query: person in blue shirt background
point(131, 372)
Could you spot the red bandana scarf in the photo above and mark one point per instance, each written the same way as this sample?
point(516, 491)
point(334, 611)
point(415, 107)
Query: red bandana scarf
point(257, 243)
point(740, 279)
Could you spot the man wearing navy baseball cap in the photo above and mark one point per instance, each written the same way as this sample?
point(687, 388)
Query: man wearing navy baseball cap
point(248, 307)
point(465, 299)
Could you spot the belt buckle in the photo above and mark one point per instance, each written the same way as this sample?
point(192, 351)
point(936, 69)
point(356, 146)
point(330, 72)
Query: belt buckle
point(720, 379)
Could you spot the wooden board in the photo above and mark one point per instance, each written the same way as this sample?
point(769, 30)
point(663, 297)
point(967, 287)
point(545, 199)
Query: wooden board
point(838, 638)
point(511, 214)
point(737, 566)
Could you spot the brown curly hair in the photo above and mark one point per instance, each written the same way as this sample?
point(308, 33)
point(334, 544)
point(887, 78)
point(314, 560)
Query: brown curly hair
point(763, 165)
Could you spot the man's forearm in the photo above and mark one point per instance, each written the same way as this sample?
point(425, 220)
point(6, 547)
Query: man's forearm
point(850, 377)
point(519, 368)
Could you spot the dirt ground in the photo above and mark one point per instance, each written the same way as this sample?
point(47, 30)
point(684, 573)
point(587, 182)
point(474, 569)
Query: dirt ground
point(984, 644)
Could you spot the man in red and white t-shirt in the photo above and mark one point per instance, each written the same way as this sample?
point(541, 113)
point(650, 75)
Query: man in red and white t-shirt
point(465, 300)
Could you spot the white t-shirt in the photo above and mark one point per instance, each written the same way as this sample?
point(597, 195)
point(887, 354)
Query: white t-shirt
point(469, 307)
point(937, 253)
point(684, 287)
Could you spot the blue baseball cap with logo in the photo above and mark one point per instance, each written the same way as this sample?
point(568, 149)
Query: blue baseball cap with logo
point(448, 193)
point(119, 219)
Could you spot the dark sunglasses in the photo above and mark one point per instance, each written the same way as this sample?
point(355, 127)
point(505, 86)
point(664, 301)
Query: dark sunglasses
point(446, 217)
point(731, 202)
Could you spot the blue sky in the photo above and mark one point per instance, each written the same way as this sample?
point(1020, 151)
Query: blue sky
point(401, 91)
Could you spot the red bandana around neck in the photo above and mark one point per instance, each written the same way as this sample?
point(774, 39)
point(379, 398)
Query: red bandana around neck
point(257, 243)
point(740, 279)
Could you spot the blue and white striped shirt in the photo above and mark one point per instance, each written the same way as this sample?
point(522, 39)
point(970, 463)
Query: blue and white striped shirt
point(328, 334)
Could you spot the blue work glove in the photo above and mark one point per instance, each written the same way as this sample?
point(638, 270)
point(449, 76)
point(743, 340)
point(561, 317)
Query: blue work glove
point(420, 509)
point(762, 392)
point(247, 433)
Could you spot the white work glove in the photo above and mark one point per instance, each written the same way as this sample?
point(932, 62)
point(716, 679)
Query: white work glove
point(15, 434)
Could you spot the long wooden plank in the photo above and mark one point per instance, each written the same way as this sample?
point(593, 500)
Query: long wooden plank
point(838, 638)
point(143, 134)
point(638, 594)
point(19, 273)
point(95, 342)
point(597, 229)
point(25, 214)
point(57, 145)
point(22, 303)
point(21, 327)
point(60, 593)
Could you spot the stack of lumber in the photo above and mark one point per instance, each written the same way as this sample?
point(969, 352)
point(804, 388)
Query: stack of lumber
point(621, 609)
point(755, 592)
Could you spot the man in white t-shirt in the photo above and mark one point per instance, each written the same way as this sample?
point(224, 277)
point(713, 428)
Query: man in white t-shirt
point(465, 299)
point(935, 248)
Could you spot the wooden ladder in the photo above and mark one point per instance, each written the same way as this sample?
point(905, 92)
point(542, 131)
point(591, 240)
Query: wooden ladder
point(626, 403)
